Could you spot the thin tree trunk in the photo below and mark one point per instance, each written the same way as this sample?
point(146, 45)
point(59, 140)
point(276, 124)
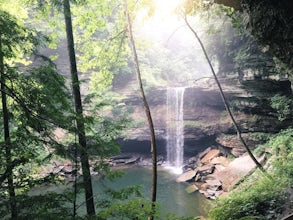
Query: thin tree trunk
point(80, 127)
point(147, 112)
point(75, 168)
point(8, 158)
point(224, 98)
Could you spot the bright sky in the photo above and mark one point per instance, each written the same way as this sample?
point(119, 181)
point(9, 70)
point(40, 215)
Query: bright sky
point(165, 25)
point(167, 7)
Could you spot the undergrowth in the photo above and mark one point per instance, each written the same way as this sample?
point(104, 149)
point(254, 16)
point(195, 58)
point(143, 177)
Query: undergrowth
point(261, 197)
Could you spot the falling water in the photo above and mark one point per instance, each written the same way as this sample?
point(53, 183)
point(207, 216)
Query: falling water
point(175, 128)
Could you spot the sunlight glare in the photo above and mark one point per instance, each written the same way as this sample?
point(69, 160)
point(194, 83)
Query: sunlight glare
point(166, 7)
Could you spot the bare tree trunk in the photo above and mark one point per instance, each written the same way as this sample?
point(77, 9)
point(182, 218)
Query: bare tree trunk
point(87, 182)
point(224, 98)
point(8, 156)
point(147, 112)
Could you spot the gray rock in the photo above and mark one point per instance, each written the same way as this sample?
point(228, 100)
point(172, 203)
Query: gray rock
point(187, 176)
point(206, 169)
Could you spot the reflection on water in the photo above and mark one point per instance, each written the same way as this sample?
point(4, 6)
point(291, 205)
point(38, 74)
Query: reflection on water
point(171, 195)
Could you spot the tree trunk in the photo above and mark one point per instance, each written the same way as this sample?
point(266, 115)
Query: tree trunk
point(87, 182)
point(224, 98)
point(147, 112)
point(5, 113)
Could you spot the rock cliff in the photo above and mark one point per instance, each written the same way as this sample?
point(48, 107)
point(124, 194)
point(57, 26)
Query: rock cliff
point(206, 122)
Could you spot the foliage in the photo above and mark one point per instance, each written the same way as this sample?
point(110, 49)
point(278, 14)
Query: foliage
point(37, 102)
point(282, 145)
point(270, 23)
point(262, 197)
point(167, 65)
point(232, 45)
point(50, 205)
point(283, 105)
point(125, 203)
point(34, 113)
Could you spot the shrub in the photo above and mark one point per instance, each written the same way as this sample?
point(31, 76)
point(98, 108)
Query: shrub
point(260, 199)
point(283, 105)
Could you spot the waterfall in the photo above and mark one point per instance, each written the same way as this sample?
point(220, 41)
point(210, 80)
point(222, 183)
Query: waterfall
point(175, 128)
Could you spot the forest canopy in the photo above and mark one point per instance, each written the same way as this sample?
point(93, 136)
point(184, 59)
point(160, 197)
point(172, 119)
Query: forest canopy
point(68, 73)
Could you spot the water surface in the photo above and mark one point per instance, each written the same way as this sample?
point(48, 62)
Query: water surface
point(171, 195)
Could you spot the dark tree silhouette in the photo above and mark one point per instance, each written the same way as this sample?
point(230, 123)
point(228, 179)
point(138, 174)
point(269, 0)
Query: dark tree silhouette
point(80, 127)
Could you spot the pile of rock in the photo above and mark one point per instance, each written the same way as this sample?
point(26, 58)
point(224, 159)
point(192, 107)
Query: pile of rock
point(200, 170)
point(132, 159)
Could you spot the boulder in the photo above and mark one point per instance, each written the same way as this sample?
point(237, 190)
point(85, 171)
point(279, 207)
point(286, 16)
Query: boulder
point(220, 160)
point(235, 171)
point(187, 176)
point(191, 188)
point(197, 178)
point(209, 194)
point(238, 151)
point(203, 153)
point(219, 168)
point(206, 169)
point(132, 160)
point(204, 187)
point(214, 185)
point(210, 155)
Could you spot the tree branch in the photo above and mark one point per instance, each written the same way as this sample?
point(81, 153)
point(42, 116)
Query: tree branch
point(224, 98)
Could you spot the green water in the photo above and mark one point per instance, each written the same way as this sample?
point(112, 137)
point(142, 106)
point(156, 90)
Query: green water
point(171, 195)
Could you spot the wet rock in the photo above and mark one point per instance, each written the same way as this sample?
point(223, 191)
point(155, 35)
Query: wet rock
point(187, 176)
point(191, 188)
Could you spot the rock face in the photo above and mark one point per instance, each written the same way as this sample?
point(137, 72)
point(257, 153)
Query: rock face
point(206, 122)
point(209, 134)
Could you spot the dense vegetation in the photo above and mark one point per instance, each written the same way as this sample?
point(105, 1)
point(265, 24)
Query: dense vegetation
point(40, 103)
point(262, 196)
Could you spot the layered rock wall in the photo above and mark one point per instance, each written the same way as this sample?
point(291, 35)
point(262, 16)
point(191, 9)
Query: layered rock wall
point(206, 122)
